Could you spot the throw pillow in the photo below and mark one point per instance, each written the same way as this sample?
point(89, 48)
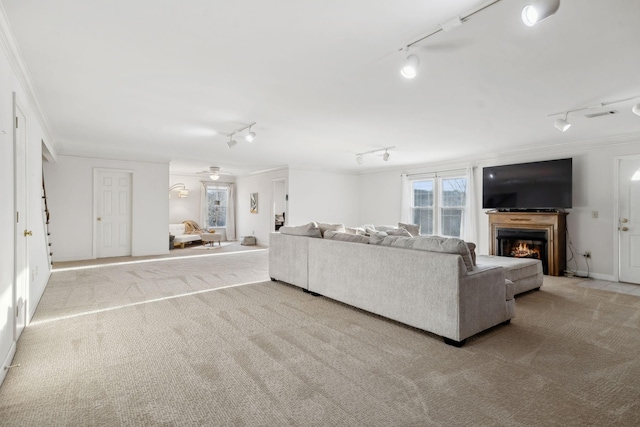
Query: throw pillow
point(414, 229)
point(355, 230)
point(385, 227)
point(399, 232)
point(472, 251)
point(310, 230)
point(376, 237)
point(332, 227)
point(345, 237)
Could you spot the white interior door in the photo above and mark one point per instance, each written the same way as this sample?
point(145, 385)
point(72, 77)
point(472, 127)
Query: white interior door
point(629, 220)
point(21, 279)
point(113, 213)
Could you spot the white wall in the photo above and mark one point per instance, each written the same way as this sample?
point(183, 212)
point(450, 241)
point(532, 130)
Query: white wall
point(70, 192)
point(323, 197)
point(11, 81)
point(593, 190)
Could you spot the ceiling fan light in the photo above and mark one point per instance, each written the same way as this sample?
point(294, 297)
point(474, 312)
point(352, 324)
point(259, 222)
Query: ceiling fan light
point(214, 177)
point(410, 67)
point(636, 109)
point(562, 125)
point(538, 11)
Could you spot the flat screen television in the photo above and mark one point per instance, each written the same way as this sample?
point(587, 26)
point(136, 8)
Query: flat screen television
point(528, 186)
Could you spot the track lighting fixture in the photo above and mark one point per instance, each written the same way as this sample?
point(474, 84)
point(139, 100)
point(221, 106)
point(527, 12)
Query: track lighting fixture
point(538, 11)
point(385, 156)
point(232, 142)
point(562, 124)
point(410, 68)
point(249, 137)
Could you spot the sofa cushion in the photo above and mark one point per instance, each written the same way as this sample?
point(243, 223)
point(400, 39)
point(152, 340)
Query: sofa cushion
point(377, 237)
point(414, 229)
point(310, 230)
point(330, 227)
point(385, 227)
point(449, 245)
point(510, 289)
point(345, 237)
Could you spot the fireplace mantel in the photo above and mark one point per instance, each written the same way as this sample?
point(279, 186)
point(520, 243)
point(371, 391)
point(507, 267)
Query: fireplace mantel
point(554, 223)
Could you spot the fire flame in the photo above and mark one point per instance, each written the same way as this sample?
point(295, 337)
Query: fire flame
point(522, 250)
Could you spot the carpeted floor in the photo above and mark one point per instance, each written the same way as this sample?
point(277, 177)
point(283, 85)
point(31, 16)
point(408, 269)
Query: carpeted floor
point(209, 340)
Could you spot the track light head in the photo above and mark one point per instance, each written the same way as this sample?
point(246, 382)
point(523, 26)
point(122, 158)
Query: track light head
point(232, 142)
point(562, 124)
point(636, 109)
point(250, 136)
point(359, 159)
point(385, 156)
point(539, 10)
point(410, 67)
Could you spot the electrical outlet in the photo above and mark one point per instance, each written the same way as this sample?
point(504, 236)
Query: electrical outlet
point(587, 254)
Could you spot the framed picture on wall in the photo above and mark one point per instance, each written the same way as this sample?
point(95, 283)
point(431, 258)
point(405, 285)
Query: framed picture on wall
point(253, 203)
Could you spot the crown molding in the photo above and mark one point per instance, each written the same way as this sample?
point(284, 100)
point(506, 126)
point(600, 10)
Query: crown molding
point(17, 64)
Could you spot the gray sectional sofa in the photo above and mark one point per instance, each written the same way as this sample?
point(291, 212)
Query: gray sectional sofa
point(433, 288)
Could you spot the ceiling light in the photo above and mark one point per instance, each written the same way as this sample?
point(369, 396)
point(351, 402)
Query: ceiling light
point(410, 68)
point(214, 177)
point(250, 136)
point(385, 156)
point(636, 109)
point(539, 10)
point(231, 141)
point(215, 173)
point(562, 124)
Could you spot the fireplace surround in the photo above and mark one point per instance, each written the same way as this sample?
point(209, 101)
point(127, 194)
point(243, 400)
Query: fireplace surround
point(537, 235)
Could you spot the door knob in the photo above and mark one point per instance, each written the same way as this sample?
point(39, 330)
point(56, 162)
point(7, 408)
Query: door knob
point(99, 219)
point(624, 220)
point(624, 228)
point(27, 233)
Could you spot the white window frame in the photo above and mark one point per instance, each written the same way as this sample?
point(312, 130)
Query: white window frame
point(205, 205)
point(438, 202)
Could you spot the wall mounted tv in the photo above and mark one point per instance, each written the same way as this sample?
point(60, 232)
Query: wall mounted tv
point(528, 186)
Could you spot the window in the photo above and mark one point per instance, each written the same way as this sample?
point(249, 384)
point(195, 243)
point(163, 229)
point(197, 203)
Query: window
point(439, 204)
point(216, 202)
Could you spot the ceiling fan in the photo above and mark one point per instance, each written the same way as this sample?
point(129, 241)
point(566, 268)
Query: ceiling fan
point(213, 172)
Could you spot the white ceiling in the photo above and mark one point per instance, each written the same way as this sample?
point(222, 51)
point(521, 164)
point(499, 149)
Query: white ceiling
point(167, 80)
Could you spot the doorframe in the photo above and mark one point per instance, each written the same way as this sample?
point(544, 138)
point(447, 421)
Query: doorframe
point(17, 105)
point(616, 212)
point(275, 181)
point(96, 173)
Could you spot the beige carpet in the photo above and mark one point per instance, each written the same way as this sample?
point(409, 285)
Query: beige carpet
point(209, 340)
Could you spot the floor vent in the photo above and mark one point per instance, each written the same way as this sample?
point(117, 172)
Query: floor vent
point(604, 113)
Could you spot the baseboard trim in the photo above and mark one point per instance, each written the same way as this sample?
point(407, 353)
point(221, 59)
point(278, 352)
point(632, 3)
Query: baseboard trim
point(7, 362)
point(598, 276)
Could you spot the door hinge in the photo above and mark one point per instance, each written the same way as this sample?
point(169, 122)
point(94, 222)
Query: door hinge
point(17, 217)
point(18, 311)
point(16, 122)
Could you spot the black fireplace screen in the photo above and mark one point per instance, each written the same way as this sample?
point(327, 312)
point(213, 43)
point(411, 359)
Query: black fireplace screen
point(523, 243)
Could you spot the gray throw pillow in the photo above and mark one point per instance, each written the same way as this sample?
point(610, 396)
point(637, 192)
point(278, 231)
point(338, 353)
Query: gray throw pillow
point(413, 229)
point(310, 230)
point(330, 227)
point(376, 237)
point(399, 232)
point(445, 245)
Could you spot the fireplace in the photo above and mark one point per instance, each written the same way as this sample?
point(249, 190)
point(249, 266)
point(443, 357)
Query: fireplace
point(523, 243)
point(538, 235)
